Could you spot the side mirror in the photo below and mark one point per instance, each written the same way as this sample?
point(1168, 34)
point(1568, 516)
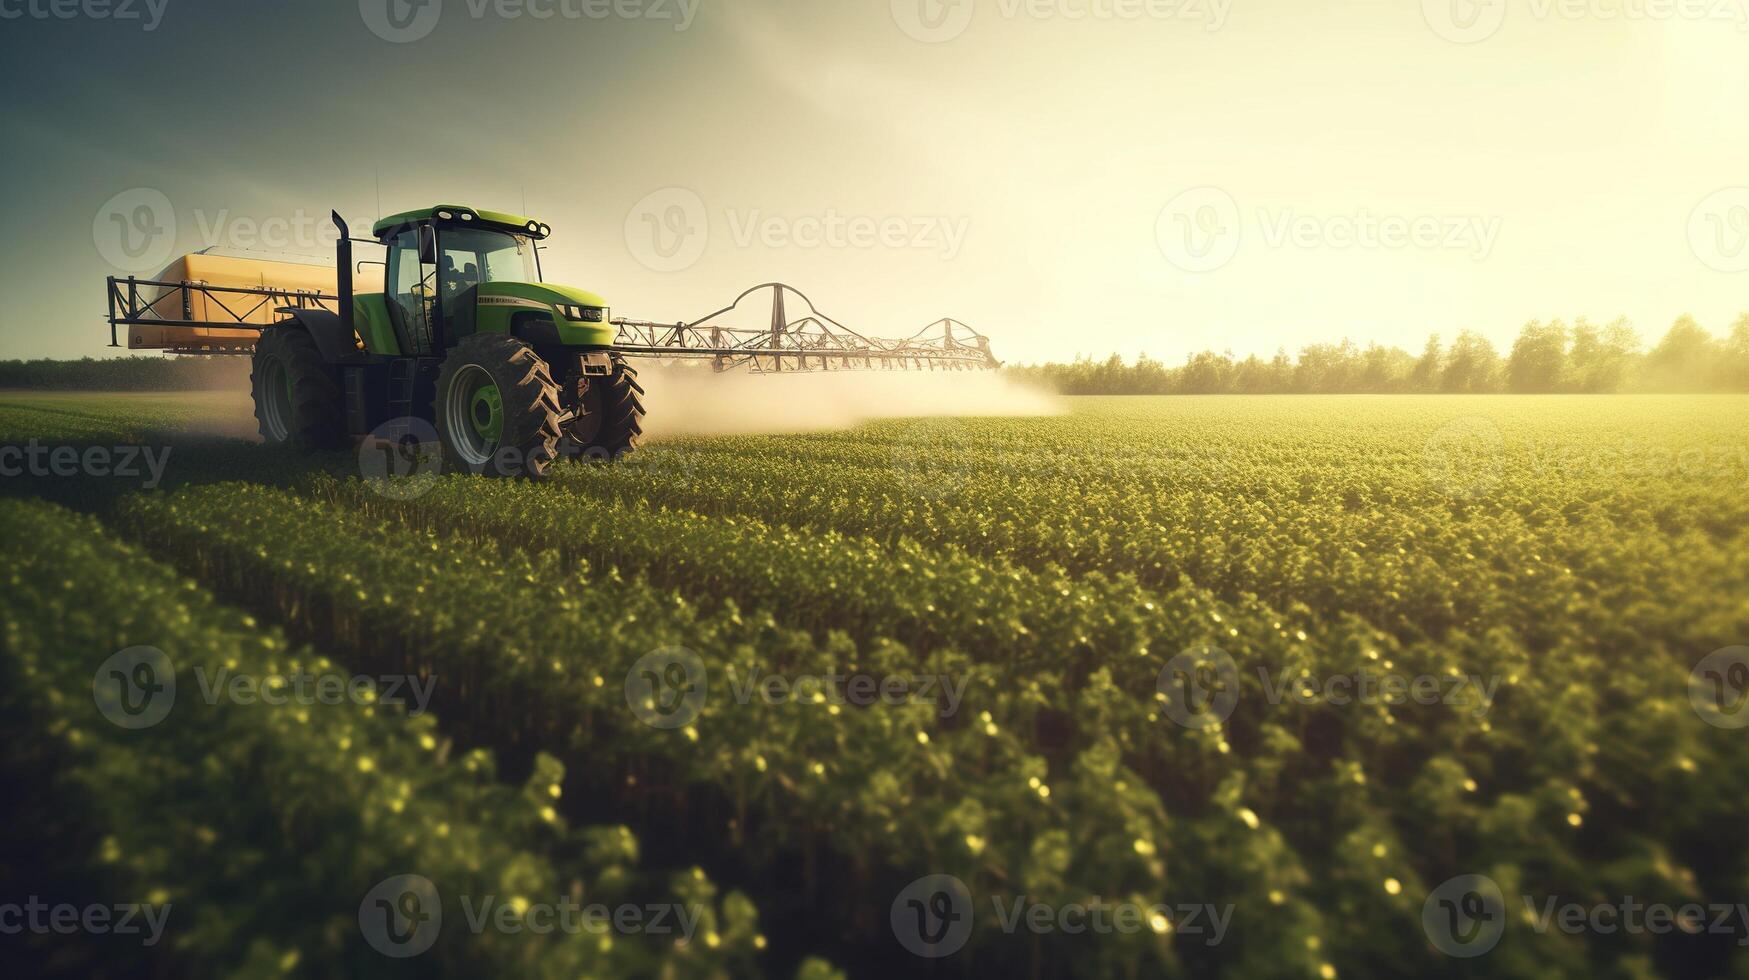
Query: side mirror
point(427, 245)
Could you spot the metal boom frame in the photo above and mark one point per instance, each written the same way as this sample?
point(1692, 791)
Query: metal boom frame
point(811, 342)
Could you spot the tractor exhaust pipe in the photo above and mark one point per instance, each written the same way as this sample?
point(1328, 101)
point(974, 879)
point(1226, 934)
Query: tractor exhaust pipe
point(343, 272)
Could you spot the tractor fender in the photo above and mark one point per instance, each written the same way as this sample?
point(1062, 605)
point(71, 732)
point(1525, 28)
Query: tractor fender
point(327, 329)
point(538, 331)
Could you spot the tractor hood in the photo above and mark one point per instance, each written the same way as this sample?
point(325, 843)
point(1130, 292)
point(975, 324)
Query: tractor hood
point(582, 317)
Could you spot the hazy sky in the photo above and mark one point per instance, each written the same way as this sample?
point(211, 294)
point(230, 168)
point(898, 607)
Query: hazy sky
point(1069, 176)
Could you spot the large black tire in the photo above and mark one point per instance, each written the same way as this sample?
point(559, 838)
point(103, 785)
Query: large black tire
point(296, 393)
point(609, 422)
point(527, 433)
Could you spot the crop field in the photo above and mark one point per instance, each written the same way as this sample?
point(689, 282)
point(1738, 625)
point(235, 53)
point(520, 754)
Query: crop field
point(1249, 687)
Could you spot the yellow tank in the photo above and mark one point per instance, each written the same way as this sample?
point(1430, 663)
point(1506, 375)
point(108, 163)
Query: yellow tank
point(285, 277)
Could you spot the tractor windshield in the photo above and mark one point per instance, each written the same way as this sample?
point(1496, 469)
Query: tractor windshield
point(472, 256)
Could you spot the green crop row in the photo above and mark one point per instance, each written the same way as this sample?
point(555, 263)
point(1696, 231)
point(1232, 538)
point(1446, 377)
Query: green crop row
point(1525, 745)
point(260, 828)
point(873, 793)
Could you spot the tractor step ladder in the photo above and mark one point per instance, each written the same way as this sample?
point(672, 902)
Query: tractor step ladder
point(403, 386)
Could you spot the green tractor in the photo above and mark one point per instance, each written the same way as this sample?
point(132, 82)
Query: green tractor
point(464, 343)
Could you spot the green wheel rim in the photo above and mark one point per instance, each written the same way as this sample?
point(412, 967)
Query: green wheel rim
point(486, 412)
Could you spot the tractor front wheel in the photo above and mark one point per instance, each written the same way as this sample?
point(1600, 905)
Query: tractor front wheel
point(296, 393)
point(610, 416)
point(497, 407)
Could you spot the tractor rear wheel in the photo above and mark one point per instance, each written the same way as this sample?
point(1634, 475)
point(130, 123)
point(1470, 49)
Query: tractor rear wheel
point(497, 407)
point(609, 420)
point(296, 393)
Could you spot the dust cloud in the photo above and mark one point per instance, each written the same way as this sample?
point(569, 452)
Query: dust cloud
point(690, 401)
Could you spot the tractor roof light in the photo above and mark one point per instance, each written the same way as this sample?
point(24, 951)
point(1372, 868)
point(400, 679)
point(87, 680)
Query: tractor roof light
point(545, 230)
point(534, 226)
point(445, 215)
point(467, 216)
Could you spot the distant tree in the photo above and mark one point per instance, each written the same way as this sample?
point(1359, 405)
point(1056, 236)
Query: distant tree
point(1538, 362)
point(1472, 366)
point(1327, 368)
point(1733, 371)
point(1207, 373)
point(1683, 360)
point(1385, 369)
point(1424, 376)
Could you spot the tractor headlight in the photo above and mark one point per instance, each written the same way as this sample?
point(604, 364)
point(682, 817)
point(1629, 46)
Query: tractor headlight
point(583, 314)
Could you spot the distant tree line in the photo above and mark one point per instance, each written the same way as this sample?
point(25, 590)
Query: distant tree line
point(1546, 357)
point(127, 374)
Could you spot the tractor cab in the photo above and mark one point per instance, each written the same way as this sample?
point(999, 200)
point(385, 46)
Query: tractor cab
point(437, 262)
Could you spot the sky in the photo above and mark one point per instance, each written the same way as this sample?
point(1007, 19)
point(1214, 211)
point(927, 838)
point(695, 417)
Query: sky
point(1067, 176)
